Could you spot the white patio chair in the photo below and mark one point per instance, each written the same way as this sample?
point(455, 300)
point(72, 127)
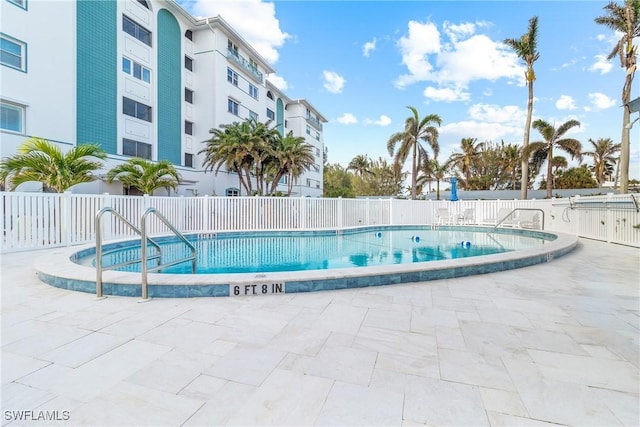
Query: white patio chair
point(504, 214)
point(467, 217)
point(444, 216)
point(528, 219)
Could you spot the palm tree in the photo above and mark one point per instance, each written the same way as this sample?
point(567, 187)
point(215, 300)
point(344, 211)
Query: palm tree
point(557, 163)
point(553, 138)
point(360, 164)
point(624, 20)
point(603, 155)
point(415, 130)
point(145, 175)
point(261, 141)
point(526, 49)
point(42, 161)
point(227, 148)
point(511, 159)
point(465, 160)
point(432, 170)
point(291, 157)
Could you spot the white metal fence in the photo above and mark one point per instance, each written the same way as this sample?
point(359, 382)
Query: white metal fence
point(42, 220)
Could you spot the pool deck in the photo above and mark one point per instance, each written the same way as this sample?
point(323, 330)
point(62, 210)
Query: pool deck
point(554, 343)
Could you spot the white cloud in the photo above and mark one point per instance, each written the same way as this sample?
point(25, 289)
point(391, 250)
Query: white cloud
point(446, 94)
point(600, 101)
point(484, 131)
point(255, 20)
point(602, 64)
point(333, 82)
point(278, 81)
point(347, 119)
point(488, 122)
point(369, 47)
point(422, 40)
point(479, 58)
point(456, 31)
point(496, 114)
point(382, 121)
point(565, 102)
point(454, 58)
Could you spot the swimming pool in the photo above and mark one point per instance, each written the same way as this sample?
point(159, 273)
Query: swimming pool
point(58, 270)
point(263, 252)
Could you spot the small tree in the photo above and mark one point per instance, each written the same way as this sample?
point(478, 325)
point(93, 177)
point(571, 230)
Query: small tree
point(603, 156)
point(553, 138)
point(145, 175)
point(41, 161)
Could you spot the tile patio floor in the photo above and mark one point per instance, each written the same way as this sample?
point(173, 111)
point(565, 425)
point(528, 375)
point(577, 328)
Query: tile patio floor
point(550, 344)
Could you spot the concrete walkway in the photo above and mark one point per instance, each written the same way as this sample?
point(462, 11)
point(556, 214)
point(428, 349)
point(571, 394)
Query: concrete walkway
point(556, 343)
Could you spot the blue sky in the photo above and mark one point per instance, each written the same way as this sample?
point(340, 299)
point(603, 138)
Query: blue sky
point(360, 63)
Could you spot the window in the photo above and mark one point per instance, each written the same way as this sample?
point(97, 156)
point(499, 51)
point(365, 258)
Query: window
point(188, 63)
point(144, 3)
point(13, 53)
point(188, 95)
point(232, 106)
point(253, 91)
point(232, 192)
point(308, 130)
point(189, 34)
point(232, 77)
point(19, 3)
point(269, 95)
point(188, 160)
point(136, 149)
point(188, 128)
point(253, 115)
point(136, 70)
point(232, 47)
point(270, 114)
point(136, 30)
point(12, 117)
point(136, 109)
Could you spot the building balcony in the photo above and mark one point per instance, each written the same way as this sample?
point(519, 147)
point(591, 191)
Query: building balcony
point(234, 56)
point(314, 121)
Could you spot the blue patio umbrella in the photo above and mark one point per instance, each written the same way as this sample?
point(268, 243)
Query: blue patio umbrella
point(454, 189)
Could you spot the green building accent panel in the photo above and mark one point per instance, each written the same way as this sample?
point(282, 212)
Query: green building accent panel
point(280, 116)
point(96, 74)
point(169, 88)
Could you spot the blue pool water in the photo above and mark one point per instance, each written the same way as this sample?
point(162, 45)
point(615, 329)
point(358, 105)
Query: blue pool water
point(297, 251)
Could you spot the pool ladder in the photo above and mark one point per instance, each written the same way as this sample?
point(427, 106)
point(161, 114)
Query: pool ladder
point(144, 256)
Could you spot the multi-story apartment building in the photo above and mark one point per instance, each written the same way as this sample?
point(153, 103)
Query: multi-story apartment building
point(142, 78)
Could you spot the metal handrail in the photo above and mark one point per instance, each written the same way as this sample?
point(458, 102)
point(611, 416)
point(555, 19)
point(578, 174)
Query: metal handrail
point(99, 267)
point(143, 249)
point(512, 212)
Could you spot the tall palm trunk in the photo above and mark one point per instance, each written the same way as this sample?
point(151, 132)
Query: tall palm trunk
point(624, 148)
point(524, 184)
point(414, 171)
point(550, 176)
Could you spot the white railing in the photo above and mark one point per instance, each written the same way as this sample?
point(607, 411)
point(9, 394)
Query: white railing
point(43, 220)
